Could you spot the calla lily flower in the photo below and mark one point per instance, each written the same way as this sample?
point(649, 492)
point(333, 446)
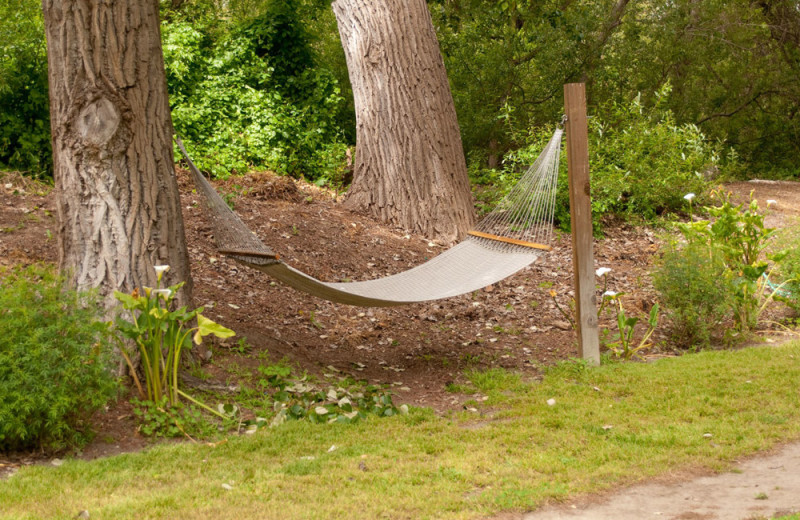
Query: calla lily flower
point(166, 293)
point(603, 271)
point(689, 196)
point(160, 270)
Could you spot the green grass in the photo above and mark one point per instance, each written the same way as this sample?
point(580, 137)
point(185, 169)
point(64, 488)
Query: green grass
point(517, 456)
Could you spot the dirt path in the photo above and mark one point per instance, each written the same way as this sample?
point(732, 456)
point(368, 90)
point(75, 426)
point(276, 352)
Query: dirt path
point(760, 487)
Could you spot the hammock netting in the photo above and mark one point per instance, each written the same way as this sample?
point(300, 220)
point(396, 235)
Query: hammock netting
point(514, 235)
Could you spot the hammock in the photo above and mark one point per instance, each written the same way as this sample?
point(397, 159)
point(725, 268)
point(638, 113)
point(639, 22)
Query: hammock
point(507, 240)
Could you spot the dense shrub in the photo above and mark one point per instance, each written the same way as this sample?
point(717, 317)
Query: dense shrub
point(641, 162)
point(24, 103)
point(54, 361)
point(691, 285)
point(251, 96)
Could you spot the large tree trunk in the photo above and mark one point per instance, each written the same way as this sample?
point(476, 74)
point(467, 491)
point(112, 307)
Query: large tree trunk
point(410, 169)
point(116, 192)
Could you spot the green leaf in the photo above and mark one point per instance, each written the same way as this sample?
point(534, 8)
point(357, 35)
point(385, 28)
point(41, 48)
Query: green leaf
point(128, 301)
point(206, 326)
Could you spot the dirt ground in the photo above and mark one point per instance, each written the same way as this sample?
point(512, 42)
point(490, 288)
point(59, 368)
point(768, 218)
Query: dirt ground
point(416, 349)
point(760, 487)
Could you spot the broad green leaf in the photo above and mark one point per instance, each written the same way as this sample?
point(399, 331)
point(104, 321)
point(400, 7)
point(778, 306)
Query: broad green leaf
point(206, 326)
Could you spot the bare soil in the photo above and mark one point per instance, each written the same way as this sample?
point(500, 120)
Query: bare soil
point(760, 487)
point(416, 349)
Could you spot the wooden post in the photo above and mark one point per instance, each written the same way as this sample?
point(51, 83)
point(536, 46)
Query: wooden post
point(581, 215)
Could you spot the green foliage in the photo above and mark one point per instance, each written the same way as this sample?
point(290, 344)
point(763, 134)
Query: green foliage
point(159, 419)
point(641, 163)
point(739, 232)
point(251, 97)
point(789, 271)
point(733, 63)
point(160, 336)
point(720, 266)
point(688, 278)
point(625, 346)
point(54, 361)
point(24, 102)
point(283, 397)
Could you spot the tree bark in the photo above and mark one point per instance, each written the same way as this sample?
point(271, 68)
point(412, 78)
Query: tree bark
point(410, 169)
point(116, 191)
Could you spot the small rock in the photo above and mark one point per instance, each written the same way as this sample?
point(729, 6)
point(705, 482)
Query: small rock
point(607, 427)
point(332, 448)
point(227, 486)
point(56, 462)
point(563, 325)
point(82, 514)
point(707, 435)
point(551, 402)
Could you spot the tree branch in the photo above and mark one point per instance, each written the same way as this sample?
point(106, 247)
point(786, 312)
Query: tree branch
point(738, 109)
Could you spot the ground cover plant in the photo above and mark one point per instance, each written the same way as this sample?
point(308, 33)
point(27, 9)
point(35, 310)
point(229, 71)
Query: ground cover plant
point(579, 430)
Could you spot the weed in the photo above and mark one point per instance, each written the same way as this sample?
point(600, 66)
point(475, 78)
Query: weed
point(159, 419)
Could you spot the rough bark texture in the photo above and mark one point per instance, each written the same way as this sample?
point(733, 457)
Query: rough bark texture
point(410, 169)
point(117, 195)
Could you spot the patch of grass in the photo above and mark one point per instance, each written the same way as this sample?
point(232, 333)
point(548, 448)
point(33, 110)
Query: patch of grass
point(495, 380)
point(423, 466)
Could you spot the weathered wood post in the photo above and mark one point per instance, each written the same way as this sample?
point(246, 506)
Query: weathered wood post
point(580, 203)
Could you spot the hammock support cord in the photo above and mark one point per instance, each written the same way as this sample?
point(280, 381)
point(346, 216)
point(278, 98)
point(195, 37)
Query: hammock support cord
point(507, 240)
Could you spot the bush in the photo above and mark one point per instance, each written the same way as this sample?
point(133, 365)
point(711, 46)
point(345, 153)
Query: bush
point(690, 282)
point(54, 361)
point(719, 271)
point(251, 97)
point(24, 102)
point(789, 275)
point(641, 162)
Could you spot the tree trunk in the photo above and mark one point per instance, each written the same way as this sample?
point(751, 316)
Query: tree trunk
point(410, 169)
point(116, 191)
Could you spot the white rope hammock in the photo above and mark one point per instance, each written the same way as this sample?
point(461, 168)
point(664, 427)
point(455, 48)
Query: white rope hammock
point(507, 240)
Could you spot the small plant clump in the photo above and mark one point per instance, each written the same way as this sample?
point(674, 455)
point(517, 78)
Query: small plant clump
point(160, 335)
point(623, 343)
point(54, 361)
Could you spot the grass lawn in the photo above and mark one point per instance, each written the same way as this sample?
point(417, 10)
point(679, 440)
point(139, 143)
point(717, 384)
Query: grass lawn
point(610, 426)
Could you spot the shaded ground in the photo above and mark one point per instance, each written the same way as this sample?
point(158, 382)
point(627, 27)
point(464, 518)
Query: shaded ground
point(417, 349)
